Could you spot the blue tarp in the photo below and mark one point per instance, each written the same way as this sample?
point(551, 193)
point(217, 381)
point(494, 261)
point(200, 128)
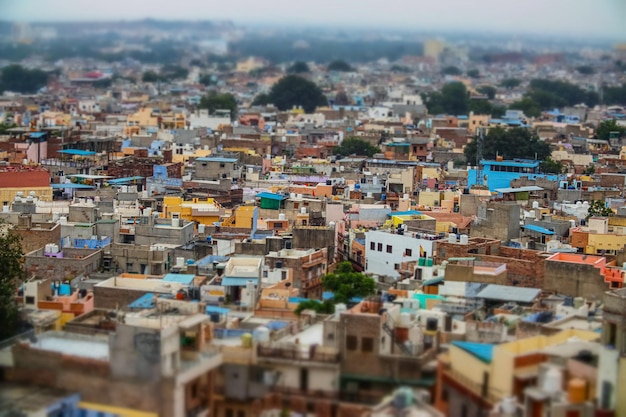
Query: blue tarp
point(216, 309)
point(78, 152)
point(92, 243)
point(36, 135)
point(537, 229)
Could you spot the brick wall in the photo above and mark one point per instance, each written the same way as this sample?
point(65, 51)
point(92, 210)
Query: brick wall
point(575, 280)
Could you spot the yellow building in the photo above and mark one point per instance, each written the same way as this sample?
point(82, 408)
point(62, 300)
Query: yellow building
point(244, 217)
point(141, 119)
point(201, 211)
point(433, 48)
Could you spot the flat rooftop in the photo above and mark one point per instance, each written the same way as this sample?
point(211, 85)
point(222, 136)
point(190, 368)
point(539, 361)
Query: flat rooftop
point(92, 347)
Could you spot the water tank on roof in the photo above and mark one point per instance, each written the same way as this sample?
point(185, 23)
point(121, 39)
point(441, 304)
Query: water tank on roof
point(261, 334)
point(246, 340)
point(451, 238)
point(552, 381)
point(535, 204)
point(215, 317)
point(405, 319)
point(281, 216)
point(464, 239)
point(201, 228)
point(340, 308)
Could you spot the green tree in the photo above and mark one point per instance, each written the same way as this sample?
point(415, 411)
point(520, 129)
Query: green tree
point(340, 66)
point(293, 90)
point(11, 277)
point(214, 101)
point(550, 166)
point(585, 69)
point(324, 307)
point(614, 95)
point(261, 99)
point(550, 94)
point(454, 98)
point(510, 143)
point(473, 73)
point(5, 126)
point(207, 79)
point(174, 72)
point(510, 83)
point(150, 77)
point(480, 106)
point(451, 70)
point(488, 90)
point(598, 208)
point(497, 111)
point(22, 80)
point(608, 127)
point(355, 146)
point(529, 106)
point(298, 67)
point(345, 283)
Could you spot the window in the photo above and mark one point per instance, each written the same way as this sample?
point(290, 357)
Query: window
point(396, 266)
point(351, 342)
point(372, 245)
point(367, 344)
point(380, 247)
point(389, 249)
point(30, 299)
point(296, 205)
point(222, 165)
point(408, 252)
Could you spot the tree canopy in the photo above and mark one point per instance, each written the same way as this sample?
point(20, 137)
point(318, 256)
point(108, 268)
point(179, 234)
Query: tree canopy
point(607, 127)
point(551, 94)
point(22, 80)
point(345, 283)
point(451, 70)
point(293, 90)
point(598, 208)
point(11, 276)
point(473, 73)
point(323, 307)
point(150, 77)
point(510, 143)
point(214, 101)
point(510, 83)
point(340, 66)
point(488, 90)
point(355, 146)
point(614, 95)
point(550, 166)
point(298, 67)
point(529, 106)
point(453, 99)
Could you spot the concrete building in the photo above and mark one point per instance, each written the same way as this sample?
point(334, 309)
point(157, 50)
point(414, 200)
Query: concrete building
point(242, 277)
point(309, 266)
point(214, 168)
point(385, 250)
point(497, 220)
point(157, 361)
point(612, 357)
point(155, 231)
point(68, 263)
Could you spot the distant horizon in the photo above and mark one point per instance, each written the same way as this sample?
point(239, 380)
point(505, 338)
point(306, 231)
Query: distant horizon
point(601, 19)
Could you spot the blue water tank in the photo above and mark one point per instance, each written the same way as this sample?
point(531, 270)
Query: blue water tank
point(208, 239)
point(383, 197)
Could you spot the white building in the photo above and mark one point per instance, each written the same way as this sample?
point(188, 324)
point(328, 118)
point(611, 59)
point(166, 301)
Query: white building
point(385, 250)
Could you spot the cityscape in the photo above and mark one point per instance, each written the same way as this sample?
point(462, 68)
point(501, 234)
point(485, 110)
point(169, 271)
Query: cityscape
point(330, 209)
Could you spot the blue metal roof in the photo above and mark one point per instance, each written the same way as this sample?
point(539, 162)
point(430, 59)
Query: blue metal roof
point(72, 185)
point(123, 180)
point(36, 135)
point(78, 152)
point(186, 279)
point(145, 301)
point(270, 196)
point(482, 351)
point(237, 282)
point(537, 229)
point(405, 213)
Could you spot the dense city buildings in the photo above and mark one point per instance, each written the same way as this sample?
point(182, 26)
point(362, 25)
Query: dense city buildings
point(189, 228)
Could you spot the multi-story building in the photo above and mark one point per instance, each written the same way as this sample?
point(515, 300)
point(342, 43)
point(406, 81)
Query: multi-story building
point(309, 266)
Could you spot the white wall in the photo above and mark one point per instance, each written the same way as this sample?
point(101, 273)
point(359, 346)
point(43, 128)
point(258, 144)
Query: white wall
point(383, 263)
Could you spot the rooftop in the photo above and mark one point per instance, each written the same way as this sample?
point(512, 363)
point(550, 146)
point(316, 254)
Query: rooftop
point(509, 293)
point(92, 347)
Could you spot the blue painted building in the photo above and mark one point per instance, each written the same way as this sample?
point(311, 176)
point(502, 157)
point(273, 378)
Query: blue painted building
point(499, 174)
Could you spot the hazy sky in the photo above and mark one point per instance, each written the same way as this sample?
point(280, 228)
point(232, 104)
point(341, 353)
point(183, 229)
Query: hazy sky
point(598, 18)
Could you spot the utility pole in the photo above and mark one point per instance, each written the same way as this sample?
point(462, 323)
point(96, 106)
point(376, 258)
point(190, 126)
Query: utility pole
point(480, 137)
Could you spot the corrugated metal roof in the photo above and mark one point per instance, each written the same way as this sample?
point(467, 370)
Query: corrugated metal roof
point(270, 196)
point(538, 229)
point(237, 282)
point(482, 351)
point(509, 293)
